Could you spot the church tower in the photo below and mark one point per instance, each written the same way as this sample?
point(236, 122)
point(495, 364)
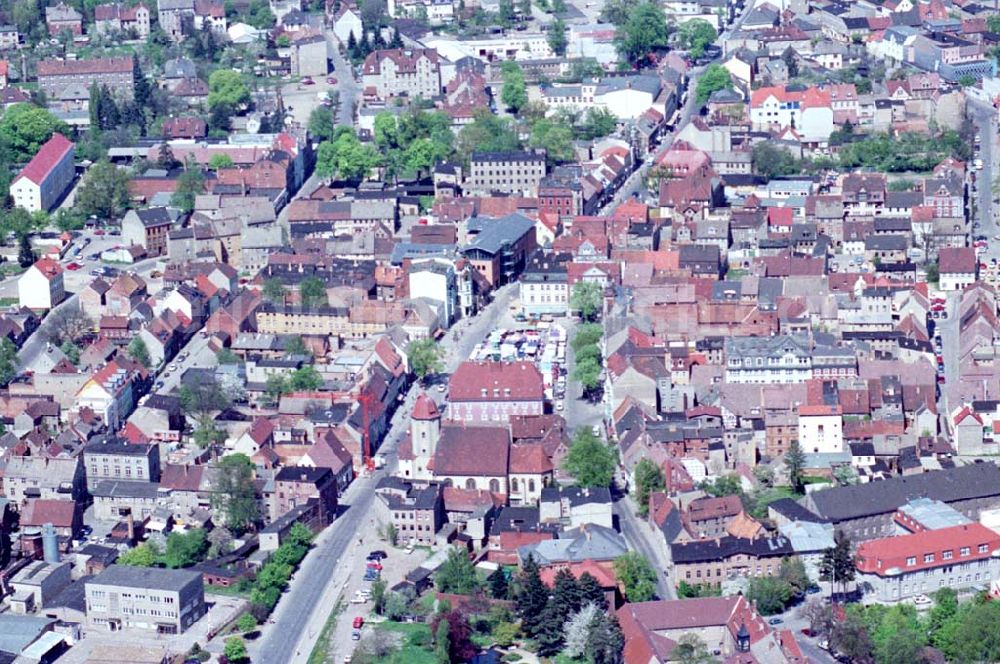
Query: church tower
point(425, 429)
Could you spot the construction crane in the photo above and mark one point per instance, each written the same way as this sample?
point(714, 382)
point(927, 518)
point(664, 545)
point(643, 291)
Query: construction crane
point(366, 400)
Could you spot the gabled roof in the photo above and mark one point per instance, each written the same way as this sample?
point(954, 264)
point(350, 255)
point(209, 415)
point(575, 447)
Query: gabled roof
point(46, 159)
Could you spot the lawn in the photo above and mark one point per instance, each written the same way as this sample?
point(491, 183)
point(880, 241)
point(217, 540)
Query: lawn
point(415, 643)
point(231, 591)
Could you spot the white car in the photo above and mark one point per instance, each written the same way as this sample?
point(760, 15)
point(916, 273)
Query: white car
point(409, 549)
point(559, 405)
point(358, 599)
point(173, 367)
point(441, 387)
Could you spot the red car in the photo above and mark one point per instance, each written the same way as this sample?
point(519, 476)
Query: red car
point(73, 266)
point(374, 564)
point(331, 80)
point(99, 231)
point(308, 81)
point(358, 622)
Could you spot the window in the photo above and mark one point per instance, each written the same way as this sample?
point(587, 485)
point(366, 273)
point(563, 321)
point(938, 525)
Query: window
point(928, 557)
point(911, 561)
point(983, 548)
point(947, 555)
point(964, 551)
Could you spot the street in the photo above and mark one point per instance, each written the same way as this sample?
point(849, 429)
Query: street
point(642, 538)
point(305, 607)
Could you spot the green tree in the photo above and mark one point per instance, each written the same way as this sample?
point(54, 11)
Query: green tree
point(691, 649)
point(795, 461)
point(144, 555)
point(591, 592)
point(305, 379)
point(644, 31)
point(273, 291)
point(514, 93)
point(770, 594)
point(557, 37)
point(378, 589)
point(322, 123)
point(246, 623)
point(312, 292)
point(138, 351)
point(695, 35)
point(24, 128)
point(933, 273)
point(346, 157)
point(531, 597)
point(185, 549)
point(236, 650)
point(618, 11)
point(457, 574)
point(220, 542)
point(71, 351)
point(25, 254)
point(227, 88)
point(219, 161)
point(104, 191)
point(190, 184)
point(67, 219)
point(499, 588)
point(555, 138)
point(793, 572)
point(772, 161)
point(648, 478)
point(588, 334)
point(597, 123)
point(590, 461)
point(715, 78)
point(233, 491)
point(636, 575)
point(426, 357)
point(487, 133)
point(295, 346)
point(587, 372)
point(837, 565)
point(442, 644)
point(274, 387)
point(587, 297)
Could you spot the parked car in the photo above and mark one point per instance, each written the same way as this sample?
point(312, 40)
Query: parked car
point(358, 598)
point(377, 554)
point(358, 622)
point(308, 81)
point(73, 266)
point(356, 635)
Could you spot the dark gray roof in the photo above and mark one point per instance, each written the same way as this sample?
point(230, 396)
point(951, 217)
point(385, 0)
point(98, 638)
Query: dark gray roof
point(302, 474)
point(728, 546)
point(577, 495)
point(116, 489)
point(792, 511)
point(145, 577)
point(504, 230)
point(507, 156)
point(979, 480)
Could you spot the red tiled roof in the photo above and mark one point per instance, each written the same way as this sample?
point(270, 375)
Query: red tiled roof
point(57, 512)
point(425, 408)
point(49, 268)
point(46, 159)
point(181, 478)
point(496, 381)
point(957, 260)
point(84, 67)
point(888, 556)
point(820, 409)
point(473, 451)
point(530, 459)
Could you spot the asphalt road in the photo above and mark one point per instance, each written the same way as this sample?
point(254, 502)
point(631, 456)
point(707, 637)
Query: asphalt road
point(641, 539)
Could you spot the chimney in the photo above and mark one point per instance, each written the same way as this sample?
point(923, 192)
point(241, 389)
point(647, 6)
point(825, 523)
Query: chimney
point(130, 522)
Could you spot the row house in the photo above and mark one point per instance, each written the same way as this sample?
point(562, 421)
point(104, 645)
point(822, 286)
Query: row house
point(113, 18)
point(411, 72)
point(118, 74)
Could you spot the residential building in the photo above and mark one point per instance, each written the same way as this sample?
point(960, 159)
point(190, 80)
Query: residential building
point(544, 285)
point(768, 360)
point(62, 17)
point(505, 173)
point(113, 18)
point(111, 458)
point(41, 286)
point(167, 601)
point(148, 229)
point(820, 429)
point(295, 485)
point(109, 393)
point(41, 184)
point(866, 511)
point(500, 248)
point(893, 569)
point(409, 72)
point(309, 53)
point(118, 74)
point(710, 561)
point(416, 512)
point(957, 267)
point(575, 507)
point(490, 392)
point(50, 477)
point(434, 280)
